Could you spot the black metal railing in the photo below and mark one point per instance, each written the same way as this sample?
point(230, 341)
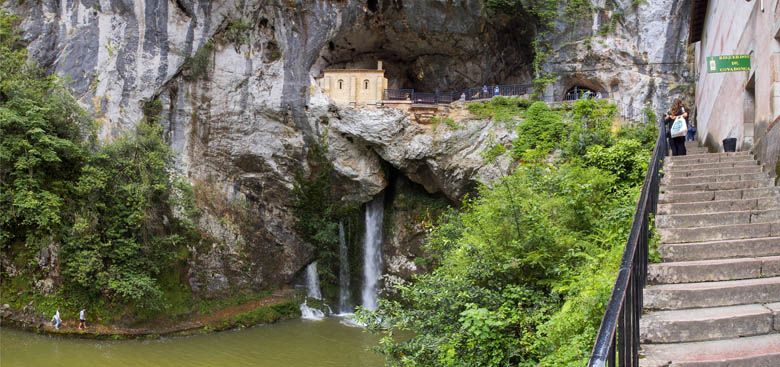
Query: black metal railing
point(573, 96)
point(618, 337)
point(398, 94)
point(468, 94)
point(424, 98)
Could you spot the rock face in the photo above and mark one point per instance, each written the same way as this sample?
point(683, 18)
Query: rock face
point(439, 157)
point(235, 81)
point(636, 53)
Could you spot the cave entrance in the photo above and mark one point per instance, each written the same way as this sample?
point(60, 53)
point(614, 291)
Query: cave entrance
point(429, 53)
point(578, 92)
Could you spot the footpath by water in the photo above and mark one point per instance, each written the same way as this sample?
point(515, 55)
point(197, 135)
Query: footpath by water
point(293, 343)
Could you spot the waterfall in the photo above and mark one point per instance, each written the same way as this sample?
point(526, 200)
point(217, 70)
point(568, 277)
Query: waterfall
point(344, 294)
point(311, 313)
point(372, 258)
point(312, 291)
point(313, 282)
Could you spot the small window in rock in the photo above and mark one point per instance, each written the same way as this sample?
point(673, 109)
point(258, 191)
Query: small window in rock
point(341, 84)
point(365, 84)
point(373, 5)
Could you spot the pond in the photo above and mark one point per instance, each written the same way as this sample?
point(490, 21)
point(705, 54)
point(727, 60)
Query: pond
point(288, 344)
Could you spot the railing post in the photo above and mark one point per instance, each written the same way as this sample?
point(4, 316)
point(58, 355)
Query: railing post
point(619, 330)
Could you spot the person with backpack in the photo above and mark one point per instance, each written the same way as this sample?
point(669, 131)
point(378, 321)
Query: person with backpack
point(676, 127)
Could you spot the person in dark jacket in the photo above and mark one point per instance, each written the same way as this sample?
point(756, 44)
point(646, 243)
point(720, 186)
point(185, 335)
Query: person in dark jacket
point(678, 143)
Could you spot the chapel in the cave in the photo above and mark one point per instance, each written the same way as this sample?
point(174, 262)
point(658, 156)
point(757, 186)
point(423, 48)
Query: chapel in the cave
point(354, 86)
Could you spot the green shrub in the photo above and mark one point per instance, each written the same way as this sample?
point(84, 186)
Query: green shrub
point(104, 206)
point(541, 130)
point(522, 272)
point(627, 159)
point(499, 108)
point(237, 32)
point(591, 125)
point(199, 64)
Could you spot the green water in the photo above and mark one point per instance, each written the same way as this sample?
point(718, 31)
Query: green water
point(286, 344)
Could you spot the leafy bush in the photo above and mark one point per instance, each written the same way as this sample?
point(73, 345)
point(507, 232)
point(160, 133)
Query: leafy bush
point(119, 244)
point(542, 130)
point(501, 260)
point(627, 159)
point(523, 271)
point(107, 208)
point(237, 32)
point(42, 145)
point(592, 122)
point(499, 108)
point(199, 64)
point(318, 212)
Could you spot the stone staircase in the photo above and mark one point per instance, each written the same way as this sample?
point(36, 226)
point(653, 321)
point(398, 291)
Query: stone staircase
point(715, 298)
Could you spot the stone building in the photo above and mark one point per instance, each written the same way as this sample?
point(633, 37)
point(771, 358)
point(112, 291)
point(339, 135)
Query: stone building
point(738, 104)
point(354, 86)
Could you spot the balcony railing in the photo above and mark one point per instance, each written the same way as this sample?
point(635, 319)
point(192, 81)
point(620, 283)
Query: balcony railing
point(618, 337)
point(468, 94)
point(398, 94)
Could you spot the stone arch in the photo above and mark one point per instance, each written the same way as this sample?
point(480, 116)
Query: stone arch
point(341, 83)
point(365, 84)
point(576, 86)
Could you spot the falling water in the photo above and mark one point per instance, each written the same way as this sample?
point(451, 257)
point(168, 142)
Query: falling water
point(372, 259)
point(311, 313)
point(313, 282)
point(312, 291)
point(344, 294)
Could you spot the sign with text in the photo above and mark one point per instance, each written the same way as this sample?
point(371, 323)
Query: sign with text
point(727, 63)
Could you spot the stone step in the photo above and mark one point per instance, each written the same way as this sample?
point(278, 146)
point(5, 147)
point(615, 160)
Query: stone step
point(718, 186)
point(700, 324)
point(717, 218)
point(711, 294)
point(752, 351)
point(715, 233)
point(691, 152)
point(713, 270)
point(708, 153)
point(714, 171)
point(753, 247)
point(719, 206)
point(768, 193)
point(709, 158)
point(668, 180)
point(695, 150)
point(718, 165)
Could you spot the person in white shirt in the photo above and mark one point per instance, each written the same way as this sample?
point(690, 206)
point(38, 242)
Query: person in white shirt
point(82, 319)
point(56, 320)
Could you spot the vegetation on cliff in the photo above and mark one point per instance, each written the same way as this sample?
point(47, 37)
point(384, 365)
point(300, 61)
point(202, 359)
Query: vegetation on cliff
point(524, 269)
point(91, 221)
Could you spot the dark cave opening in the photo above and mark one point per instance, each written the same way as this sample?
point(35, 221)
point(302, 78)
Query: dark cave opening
point(461, 49)
point(373, 5)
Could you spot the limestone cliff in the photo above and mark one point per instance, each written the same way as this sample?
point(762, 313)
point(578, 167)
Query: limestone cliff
point(233, 84)
point(634, 51)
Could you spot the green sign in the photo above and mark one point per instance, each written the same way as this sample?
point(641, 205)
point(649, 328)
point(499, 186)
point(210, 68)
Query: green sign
point(726, 63)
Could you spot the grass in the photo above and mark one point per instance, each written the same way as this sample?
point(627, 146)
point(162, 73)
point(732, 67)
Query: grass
point(500, 109)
